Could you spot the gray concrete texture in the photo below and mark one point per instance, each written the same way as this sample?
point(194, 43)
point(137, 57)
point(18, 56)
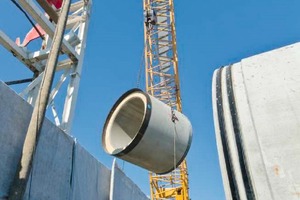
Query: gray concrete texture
point(62, 169)
point(122, 188)
point(257, 123)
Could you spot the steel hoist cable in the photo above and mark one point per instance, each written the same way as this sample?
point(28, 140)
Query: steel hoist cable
point(28, 18)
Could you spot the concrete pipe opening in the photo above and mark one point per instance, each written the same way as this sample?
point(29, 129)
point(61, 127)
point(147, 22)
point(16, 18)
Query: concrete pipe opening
point(125, 122)
point(139, 129)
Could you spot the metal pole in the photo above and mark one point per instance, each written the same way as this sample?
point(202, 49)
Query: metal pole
point(19, 81)
point(18, 186)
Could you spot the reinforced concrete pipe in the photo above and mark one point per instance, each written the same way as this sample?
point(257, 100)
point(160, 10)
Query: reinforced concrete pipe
point(139, 129)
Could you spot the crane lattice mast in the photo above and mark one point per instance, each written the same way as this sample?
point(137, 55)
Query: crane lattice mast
point(162, 82)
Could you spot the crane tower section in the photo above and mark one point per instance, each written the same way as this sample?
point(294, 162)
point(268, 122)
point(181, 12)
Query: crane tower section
point(162, 82)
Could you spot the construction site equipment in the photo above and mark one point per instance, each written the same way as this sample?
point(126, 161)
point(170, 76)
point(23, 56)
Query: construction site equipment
point(256, 116)
point(140, 130)
point(69, 67)
point(162, 82)
point(161, 63)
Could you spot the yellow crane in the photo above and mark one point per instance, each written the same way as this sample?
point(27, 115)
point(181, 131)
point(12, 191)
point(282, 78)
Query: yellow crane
point(162, 82)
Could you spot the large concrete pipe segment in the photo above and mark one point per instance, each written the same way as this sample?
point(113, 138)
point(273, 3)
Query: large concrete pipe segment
point(139, 129)
point(257, 124)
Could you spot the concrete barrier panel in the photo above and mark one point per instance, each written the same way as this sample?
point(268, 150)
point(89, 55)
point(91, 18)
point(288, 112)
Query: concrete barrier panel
point(14, 120)
point(90, 179)
point(50, 177)
point(52, 166)
point(122, 188)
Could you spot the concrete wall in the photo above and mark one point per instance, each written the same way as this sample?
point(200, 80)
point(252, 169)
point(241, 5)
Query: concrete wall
point(257, 123)
point(122, 187)
point(90, 179)
point(62, 169)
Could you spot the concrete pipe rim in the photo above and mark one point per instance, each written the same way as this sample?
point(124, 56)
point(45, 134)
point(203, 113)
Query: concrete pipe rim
point(110, 123)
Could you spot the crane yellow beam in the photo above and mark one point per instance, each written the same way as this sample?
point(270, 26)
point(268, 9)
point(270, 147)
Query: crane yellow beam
point(162, 82)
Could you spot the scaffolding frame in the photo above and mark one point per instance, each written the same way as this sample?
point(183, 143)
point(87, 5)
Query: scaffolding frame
point(70, 63)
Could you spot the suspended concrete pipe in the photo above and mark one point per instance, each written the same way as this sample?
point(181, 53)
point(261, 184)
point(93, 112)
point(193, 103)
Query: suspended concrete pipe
point(139, 129)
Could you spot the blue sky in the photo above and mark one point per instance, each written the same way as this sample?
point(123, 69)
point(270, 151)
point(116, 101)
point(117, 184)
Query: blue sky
point(210, 34)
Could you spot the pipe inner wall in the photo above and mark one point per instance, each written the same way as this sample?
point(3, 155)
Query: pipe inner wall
point(125, 123)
